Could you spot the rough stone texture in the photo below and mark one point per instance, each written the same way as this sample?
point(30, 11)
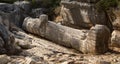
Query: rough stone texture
point(83, 15)
point(37, 12)
point(115, 39)
point(22, 9)
point(25, 5)
point(69, 37)
point(60, 34)
point(116, 23)
point(2, 49)
point(17, 11)
point(97, 40)
point(47, 52)
point(8, 38)
point(4, 59)
point(6, 7)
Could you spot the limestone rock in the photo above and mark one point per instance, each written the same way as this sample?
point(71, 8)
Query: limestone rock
point(17, 11)
point(7, 36)
point(115, 39)
point(4, 59)
point(6, 7)
point(24, 44)
point(83, 15)
point(2, 49)
point(116, 23)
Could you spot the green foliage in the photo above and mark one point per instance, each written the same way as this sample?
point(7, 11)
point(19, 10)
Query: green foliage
point(106, 4)
point(51, 5)
point(8, 1)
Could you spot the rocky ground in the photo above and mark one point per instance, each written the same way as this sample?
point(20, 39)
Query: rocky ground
point(40, 51)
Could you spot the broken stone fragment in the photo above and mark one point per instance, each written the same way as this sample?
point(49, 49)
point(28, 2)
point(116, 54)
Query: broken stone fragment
point(4, 59)
point(116, 23)
point(115, 39)
point(2, 49)
point(96, 40)
point(83, 14)
point(70, 37)
point(6, 35)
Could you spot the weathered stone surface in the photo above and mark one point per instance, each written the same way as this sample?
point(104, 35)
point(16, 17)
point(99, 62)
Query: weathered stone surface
point(2, 49)
point(24, 44)
point(69, 37)
point(7, 36)
point(17, 11)
point(115, 39)
point(83, 15)
point(22, 9)
point(116, 23)
point(25, 5)
point(56, 54)
point(6, 7)
point(37, 12)
point(4, 59)
point(97, 40)
point(60, 34)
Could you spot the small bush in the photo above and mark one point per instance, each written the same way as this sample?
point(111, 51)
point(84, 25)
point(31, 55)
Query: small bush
point(106, 4)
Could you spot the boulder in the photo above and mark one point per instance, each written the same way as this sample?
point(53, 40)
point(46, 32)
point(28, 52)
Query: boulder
point(115, 39)
point(2, 49)
point(17, 11)
point(69, 37)
point(6, 7)
point(6, 35)
point(4, 59)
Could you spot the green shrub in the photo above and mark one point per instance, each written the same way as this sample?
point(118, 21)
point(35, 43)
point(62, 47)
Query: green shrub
point(106, 4)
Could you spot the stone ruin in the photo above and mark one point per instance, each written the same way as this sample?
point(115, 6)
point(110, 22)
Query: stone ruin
point(93, 41)
point(83, 14)
point(91, 38)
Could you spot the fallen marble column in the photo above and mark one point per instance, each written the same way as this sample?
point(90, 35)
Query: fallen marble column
point(69, 37)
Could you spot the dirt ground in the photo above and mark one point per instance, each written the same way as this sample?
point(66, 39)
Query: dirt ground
point(46, 52)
